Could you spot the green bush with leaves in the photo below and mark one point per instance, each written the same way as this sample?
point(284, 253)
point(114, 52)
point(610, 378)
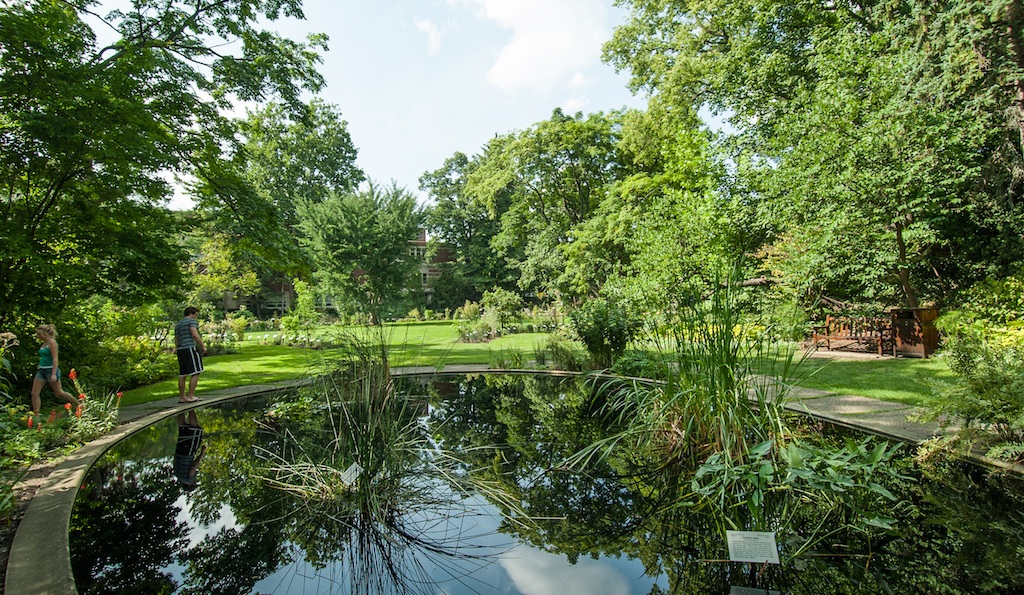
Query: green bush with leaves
point(605, 327)
point(503, 304)
point(562, 353)
point(7, 340)
point(987, 398)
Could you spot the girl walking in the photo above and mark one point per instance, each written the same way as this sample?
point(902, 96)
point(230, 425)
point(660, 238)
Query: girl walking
point(49, 370)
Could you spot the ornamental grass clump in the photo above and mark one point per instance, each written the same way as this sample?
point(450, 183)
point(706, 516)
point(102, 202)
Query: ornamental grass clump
point(710, 432)
point(355, 462)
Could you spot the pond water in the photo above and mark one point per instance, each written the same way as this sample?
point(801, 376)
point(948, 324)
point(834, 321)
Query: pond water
point(481, 501)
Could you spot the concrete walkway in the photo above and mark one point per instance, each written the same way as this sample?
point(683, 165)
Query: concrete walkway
point(39, 560)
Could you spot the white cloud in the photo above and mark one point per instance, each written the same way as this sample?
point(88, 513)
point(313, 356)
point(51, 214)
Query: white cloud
point(433, 32)
point(574, 104)
point(541, 573)
point(552, 40)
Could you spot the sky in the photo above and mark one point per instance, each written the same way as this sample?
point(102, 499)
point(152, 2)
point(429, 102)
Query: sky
point(418, 80)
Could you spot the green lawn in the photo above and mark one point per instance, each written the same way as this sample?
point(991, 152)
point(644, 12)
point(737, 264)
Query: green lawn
point(909, 380)
point(410, 344)
point(903, 380)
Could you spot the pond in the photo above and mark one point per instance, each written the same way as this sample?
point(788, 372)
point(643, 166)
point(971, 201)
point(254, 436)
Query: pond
point(464, 488)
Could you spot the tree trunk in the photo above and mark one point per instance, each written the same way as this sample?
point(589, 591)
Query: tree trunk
point(904, 269)
point(1014, 30)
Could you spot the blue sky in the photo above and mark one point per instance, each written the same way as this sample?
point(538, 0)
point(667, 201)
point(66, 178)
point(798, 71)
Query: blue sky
point(418, 80)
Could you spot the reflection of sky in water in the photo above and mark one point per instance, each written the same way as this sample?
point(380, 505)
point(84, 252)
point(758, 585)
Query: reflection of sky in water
point(510, 568)
point(470, 525)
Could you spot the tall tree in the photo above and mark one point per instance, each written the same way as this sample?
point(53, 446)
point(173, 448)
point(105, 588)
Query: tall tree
point(554, 175)
point(466, 227)
point(872, 128)
point(287, 158)
point(88, 134)
point(359, 242)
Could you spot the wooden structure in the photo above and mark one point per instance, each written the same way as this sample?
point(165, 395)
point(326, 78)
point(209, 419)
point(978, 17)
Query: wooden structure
point(909, 332)
point(850, 332)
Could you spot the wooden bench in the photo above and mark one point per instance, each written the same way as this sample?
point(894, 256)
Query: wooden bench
point(850, 330)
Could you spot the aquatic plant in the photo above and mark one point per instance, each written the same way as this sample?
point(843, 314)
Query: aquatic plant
point(711, 433)
point(362, 471)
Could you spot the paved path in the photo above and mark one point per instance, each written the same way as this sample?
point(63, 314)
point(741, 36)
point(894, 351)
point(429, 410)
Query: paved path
point(40, 559)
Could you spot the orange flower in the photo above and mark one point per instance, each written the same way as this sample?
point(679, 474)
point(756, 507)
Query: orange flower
point(78, 412)
point(81, 397)
point(72, 374)
point(67, 406)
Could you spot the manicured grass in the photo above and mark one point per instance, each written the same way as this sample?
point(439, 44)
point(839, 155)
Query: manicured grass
point(911, 381)
point(905, 380)
point(410, 344)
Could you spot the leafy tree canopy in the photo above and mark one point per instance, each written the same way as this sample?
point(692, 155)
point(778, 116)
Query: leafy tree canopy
point(359, 242)
point(88, 134)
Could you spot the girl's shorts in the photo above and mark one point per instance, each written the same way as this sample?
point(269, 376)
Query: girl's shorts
point(44, 373)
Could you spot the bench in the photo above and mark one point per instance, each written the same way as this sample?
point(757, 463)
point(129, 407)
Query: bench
point(853, 331)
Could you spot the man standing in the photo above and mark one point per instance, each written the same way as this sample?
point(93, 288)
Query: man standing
point(188, 344)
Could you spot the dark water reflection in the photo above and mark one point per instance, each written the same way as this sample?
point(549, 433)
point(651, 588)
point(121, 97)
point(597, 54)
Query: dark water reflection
point(538, 529)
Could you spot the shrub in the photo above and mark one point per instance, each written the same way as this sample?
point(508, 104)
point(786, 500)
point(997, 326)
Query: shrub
point(606, 328)
point(564, 353)
point(468, 311)
point(7, 340)
point(503, 303)
point(988, 395)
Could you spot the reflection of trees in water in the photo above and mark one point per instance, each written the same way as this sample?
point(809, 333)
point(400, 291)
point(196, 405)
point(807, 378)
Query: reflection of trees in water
point(122, 542)
point(511, 435)
point(363, 488)
point(954, 533)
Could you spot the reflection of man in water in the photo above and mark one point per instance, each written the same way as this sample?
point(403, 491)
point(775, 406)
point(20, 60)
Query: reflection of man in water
point(189, 451)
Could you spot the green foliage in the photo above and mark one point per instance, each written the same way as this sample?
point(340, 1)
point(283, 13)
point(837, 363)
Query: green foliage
point(605, 327)
point(25, 437)
point(303, 316)
point(217, 271)
point(714, 417)
point(465, 227)
point(999, 301)
point(868, 146)
point(289, 157)
point(468, 311)
point(7, 340)
point(91, 131)
point(988, 395)
point(542, 182)
point(503, 304)
point(359, 242)
point(563, 353)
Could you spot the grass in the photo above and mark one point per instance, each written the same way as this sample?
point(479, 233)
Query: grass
point(905, 380)
point(409, 344)
point(911, 381)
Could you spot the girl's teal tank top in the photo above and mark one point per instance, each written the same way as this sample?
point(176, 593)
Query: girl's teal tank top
point(45, 357)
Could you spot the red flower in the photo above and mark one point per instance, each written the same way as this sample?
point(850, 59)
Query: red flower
point(78, 412)
point(81, 397)
point(119, 395)
point(72, 374)
point(30, 422)
point(67, 406)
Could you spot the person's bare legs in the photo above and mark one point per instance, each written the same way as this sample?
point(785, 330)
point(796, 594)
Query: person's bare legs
point(37, 388)
point(181, 388)
point(192, 386)
point(58, 389)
